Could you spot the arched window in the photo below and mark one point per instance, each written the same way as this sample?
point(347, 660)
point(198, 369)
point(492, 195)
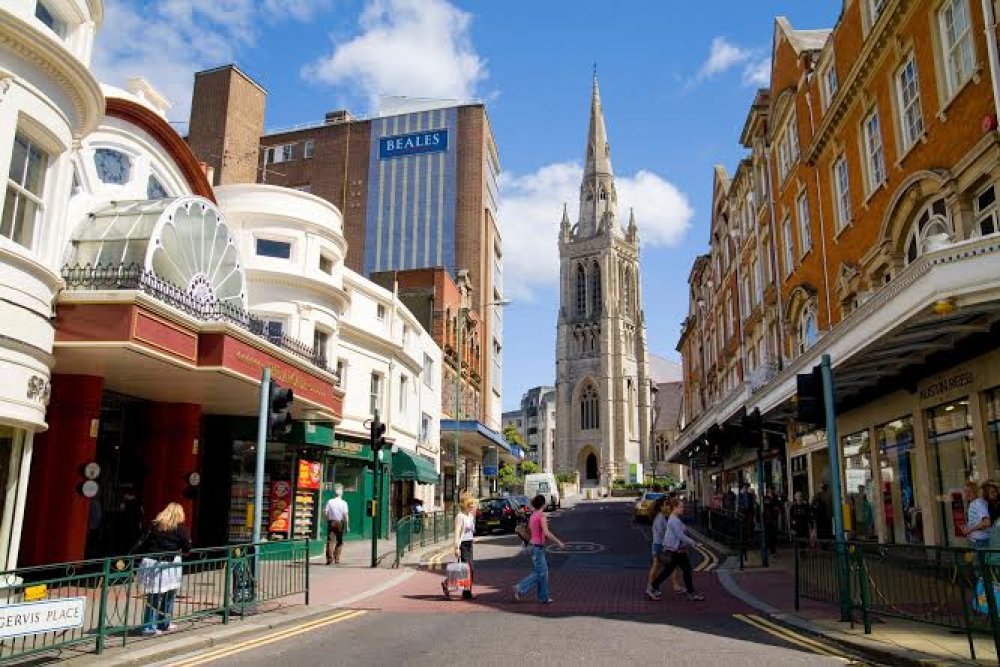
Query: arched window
point(581, 291)
point(627, 292)
point(933, 220)
point(595, 290)
point(590, 417)
point(807, 328)
point(631, 407)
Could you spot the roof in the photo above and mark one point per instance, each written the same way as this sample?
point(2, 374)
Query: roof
point(662, 369)
point(801, 40)
point(667, 407)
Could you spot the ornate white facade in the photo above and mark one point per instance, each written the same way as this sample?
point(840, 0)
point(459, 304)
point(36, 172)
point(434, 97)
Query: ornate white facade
point(602, 365)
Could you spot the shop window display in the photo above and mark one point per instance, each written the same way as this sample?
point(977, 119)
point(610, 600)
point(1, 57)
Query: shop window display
point(903, 517)
point(949, 436)
point(859, 484)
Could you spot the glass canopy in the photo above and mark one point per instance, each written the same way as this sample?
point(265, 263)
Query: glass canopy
point(183, 241)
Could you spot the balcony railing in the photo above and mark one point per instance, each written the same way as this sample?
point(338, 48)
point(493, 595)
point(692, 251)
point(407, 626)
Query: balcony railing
point(134, 277)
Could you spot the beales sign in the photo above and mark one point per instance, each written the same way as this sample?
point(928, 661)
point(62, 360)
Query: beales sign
point(417, 143)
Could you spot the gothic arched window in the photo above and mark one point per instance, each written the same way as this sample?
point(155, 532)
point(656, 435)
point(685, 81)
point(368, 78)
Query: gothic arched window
point(590, 417)
point(807, 328)
point(581, 291)
point(627, 292)
point(933, 220)
point(595, 289)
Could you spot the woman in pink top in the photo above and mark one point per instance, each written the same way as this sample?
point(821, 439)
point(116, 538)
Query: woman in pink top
point(539, 527)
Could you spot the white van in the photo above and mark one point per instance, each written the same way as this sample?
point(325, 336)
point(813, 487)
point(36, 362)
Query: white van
point(543, 483)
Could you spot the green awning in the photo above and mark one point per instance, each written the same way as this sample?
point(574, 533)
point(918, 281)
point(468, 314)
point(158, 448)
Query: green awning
point(413, 468)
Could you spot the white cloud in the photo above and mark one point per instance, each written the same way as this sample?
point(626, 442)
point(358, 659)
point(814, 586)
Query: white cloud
point(169, 40)
point(417, 48)
point(531, 208)
point(723, 56)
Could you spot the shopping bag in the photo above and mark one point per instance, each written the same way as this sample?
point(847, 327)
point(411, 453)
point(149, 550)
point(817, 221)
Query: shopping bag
point(458, 577)
point(979, 602)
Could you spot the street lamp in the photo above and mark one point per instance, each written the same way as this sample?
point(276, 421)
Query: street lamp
point(463, 313)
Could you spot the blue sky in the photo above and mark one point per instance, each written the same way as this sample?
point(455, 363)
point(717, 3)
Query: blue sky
point(676, 86)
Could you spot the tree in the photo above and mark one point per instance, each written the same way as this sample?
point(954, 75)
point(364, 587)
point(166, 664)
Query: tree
point(506, 476)
point(529, 467)
point(511, 435)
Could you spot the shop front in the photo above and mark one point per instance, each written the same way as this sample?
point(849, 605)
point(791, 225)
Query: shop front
point(475, 472)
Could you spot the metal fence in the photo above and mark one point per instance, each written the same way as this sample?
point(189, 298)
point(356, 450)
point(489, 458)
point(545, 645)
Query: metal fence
point(943, 586)
point(97, 602)
point(421, 530)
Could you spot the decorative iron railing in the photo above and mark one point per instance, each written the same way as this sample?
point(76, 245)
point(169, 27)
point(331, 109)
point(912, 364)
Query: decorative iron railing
point(135, 277)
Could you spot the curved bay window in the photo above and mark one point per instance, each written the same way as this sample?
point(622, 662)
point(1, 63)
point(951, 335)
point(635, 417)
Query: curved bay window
point(903, 517)
point(590, 415)
point(581, 291)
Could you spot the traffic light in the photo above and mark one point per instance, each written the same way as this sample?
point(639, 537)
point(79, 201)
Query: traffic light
point(279, 410)
point(377, 434)
point(811, 407)
point(752, 430)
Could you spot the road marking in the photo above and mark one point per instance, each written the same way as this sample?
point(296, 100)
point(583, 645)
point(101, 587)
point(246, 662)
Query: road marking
point(575, 548)
point(709, 561)
point(218, 654)
point(787, 635)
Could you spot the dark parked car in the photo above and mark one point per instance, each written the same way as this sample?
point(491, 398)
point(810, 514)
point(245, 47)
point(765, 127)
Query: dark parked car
point(497, 514)
point(524, 503)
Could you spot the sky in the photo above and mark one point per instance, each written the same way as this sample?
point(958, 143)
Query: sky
point(676, 78)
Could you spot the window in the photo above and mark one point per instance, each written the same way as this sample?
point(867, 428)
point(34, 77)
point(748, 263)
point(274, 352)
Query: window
point(986, 212)
point(807, 329)
point(380, 312)
point(341, 370)
point(784, 158)
point(590, 417)
point(730, 317)
point(758, 281)
point(155, 189)
point(751, 215)
point(406, 335)
point(842, 192)
point(428, 371)
point(595, 290)
point(627, 293)
point(425, 428)
point(581, 291)
point(932, 221)
point(745, 299)
point(45, 15)
point(307, 149)
point(404, 388)
point(276, 154)
point(326, 264)
point(875, 8)
point(805, 233)
point(375, 402)
point(321, 343)
point(113, 166)
point(956, 39)
point(786, 237)
point(873, 152)
point(830, 83)
point(23, 203)
point(274, 330)
point(911, 117)
point(271, 248)
point(768, 262)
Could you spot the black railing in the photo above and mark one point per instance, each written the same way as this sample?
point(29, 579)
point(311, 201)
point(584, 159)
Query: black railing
point(134, 277)
point(950, 587)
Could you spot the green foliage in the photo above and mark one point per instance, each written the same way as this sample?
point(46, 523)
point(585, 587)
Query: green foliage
point(507, 476)
point(511, 435)
point(566, 477)
point(529, 467)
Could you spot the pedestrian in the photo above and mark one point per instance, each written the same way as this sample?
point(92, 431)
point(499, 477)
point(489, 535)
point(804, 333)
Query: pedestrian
point(992, 494)
point(674, 555)
point(771, 508)
point(160, 570)
point(822, 513)
point(465, 534)
point(538, 524)
point(662, 509)
point(337, 523)
point(799, 517)
point(128, 520)
point(977, 521)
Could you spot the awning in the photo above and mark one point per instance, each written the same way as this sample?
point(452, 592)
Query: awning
point(411, 467)
point(482, 436)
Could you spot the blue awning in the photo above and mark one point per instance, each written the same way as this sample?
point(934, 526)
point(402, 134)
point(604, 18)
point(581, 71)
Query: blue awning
point(476, 427)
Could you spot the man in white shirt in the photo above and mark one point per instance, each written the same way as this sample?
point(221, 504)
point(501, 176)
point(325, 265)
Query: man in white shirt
point(977, 523)
point(337, 523)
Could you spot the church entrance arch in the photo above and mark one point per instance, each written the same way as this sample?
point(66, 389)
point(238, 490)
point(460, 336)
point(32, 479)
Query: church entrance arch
point(588, 465)
point(591, 468)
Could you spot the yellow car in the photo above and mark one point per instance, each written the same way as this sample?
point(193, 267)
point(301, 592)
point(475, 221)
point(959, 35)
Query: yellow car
point(644, 506)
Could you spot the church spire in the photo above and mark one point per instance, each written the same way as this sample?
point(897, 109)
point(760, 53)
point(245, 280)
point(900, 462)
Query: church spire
point(598, 199)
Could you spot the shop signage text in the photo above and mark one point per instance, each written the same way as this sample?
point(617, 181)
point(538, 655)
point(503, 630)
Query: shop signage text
point(346, 447)
point(33, 618)
point(948, 384)
point(417, 143)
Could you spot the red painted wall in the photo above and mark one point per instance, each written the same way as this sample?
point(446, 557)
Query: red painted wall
point(171, 454)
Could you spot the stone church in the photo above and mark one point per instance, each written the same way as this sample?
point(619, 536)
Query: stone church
point(602, 364)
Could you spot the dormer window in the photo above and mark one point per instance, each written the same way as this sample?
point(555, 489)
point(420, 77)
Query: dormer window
point(51, 20)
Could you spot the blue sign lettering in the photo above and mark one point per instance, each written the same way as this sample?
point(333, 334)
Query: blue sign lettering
point(417, 143)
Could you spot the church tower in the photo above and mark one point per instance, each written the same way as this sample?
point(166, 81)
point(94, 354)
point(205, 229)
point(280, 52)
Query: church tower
point(602, 364)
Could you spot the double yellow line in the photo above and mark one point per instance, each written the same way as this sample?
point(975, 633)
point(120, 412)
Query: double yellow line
point(436, 560)
point(708, 560)
point(218, 654)
point(787, 635)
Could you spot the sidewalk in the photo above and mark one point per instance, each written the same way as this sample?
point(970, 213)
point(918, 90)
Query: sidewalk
point(771, 591)
point(331, 587)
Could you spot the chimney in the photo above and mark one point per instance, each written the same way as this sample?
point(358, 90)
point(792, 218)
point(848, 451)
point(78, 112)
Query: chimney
point(338, 116)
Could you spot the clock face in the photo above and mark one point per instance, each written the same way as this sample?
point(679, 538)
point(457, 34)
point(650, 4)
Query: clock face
point(113, 166)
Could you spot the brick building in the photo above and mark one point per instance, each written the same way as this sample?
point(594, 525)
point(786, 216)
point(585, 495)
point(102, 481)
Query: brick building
point(417, 185)
point(860, 225)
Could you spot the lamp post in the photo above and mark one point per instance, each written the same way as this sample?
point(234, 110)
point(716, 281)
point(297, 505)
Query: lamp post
point(463, 313)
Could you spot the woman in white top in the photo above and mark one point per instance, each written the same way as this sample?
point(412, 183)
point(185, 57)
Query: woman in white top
point(465, 533)
point(674, 554)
